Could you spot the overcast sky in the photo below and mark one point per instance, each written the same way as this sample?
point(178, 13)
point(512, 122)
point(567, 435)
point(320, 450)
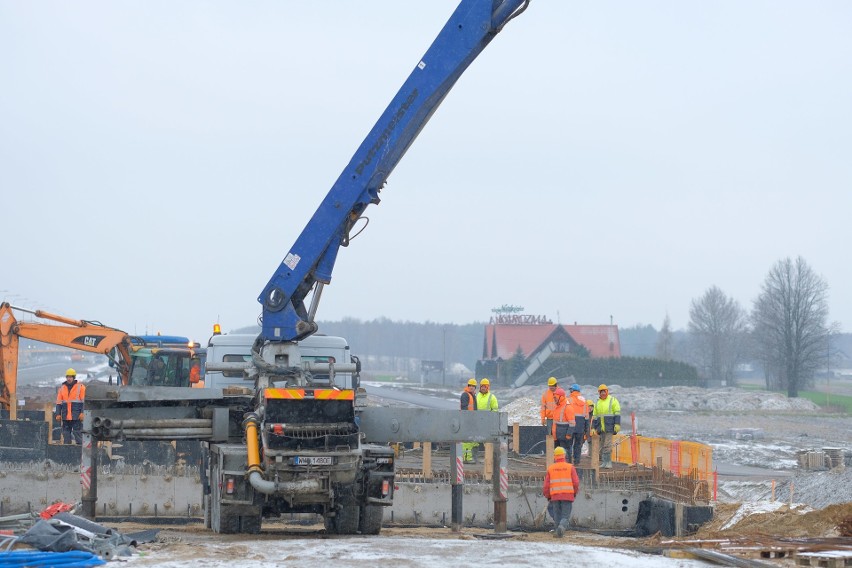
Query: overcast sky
point(158, 159)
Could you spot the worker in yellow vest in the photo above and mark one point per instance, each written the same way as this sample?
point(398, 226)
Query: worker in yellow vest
point(606, 422)
point(484, 399)
point(467, 401)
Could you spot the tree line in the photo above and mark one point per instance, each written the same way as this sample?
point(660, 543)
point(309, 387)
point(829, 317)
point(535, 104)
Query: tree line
point(786, 330)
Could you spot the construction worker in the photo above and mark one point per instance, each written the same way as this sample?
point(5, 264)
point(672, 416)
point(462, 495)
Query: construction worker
point(606, 422)
point(468, 402)
point(563, 419)
point(156, 371)
point(577, 402)
point(548, 404)
point(69, 408)
point(484, 399)
point(561, 482)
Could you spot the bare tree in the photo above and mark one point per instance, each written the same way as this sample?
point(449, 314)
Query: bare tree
point(717, 327)
point(789, 319)
point(665, 340)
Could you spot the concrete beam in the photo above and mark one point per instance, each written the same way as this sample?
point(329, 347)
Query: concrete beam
point(387, 425)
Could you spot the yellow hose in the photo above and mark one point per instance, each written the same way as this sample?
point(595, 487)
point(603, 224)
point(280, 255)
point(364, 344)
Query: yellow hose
point(252, 446)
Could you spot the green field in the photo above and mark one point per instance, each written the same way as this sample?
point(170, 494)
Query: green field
point(836, 402)
point(839, 402)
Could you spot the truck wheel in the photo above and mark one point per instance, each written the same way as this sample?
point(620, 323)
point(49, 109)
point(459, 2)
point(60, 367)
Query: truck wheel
point(371, 519)
point(345, 521)
point(250, 524)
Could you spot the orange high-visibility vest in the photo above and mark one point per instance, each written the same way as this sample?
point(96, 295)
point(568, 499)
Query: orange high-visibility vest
point(578, 404)
point(69, 402)
point(559, 484)
point(563, 414)
point(471, 400)
point(548, 404)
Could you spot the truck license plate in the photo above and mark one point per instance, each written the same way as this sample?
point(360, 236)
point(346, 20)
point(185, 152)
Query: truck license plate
point(314, 460)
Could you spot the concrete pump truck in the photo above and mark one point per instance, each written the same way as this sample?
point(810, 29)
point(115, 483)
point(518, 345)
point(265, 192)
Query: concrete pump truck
point(295, 444)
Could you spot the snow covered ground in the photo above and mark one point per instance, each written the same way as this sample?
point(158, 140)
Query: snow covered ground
point(755, 436)
point(399, 551)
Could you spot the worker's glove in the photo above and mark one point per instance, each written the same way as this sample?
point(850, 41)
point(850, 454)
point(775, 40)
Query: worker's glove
point(617, 428)
point(58, 418)
point(543, 422)
point(80, 417)
point(594, 432)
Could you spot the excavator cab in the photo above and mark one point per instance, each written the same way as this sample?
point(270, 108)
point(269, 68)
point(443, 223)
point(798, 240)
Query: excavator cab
point(161, 367)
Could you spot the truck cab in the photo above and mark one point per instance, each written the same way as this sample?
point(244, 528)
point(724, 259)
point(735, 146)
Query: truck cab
point(318, 348)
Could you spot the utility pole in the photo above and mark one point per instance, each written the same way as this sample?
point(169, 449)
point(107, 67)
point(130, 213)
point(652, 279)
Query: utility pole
point(444, 357)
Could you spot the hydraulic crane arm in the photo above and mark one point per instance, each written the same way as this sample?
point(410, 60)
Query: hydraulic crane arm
point(311, 259)
point(90, 336)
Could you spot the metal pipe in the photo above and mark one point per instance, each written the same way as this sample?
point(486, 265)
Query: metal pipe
point(313, 367)
point(270, 487)
point(312, 311)
point(256, 473)
point(168, 437)
point(164, 423)
point(164, 433)
point(221, 367)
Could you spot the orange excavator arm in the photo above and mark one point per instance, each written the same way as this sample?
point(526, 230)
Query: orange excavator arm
point(83, 335)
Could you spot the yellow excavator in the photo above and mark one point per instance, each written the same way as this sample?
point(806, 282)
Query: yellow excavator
point(132, 357)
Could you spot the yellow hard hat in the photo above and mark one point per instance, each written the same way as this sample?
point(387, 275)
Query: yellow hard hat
point(559, 451)
point(485, 382)
point(551, 381)
point(70, 373)
point(471, 383)
point(602, 388)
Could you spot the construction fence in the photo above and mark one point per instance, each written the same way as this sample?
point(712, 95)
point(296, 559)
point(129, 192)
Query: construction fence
point(682, 468)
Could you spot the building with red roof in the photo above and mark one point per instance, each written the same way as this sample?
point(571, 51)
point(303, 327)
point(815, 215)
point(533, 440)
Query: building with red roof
point(537, 338)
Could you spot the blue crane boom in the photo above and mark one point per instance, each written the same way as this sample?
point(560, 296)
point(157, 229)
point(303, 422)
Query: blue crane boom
point(309, 263)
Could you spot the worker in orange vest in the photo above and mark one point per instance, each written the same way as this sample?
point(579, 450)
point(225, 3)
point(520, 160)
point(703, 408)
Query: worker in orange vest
point(548, 404)
point(69, 408)
point(561, 482)
point(468, 402)
point(580, 409)
point(563, 420)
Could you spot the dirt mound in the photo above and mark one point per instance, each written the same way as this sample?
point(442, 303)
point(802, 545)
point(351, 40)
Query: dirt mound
point(777, 520)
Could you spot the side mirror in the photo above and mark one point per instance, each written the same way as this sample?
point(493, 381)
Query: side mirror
point(194, 371)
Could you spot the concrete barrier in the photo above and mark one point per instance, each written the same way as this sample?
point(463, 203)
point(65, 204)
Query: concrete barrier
point(430, 503)
point(35, 486)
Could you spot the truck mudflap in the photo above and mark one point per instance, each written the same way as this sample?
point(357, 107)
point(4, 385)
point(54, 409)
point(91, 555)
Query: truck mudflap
point(378, 488)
